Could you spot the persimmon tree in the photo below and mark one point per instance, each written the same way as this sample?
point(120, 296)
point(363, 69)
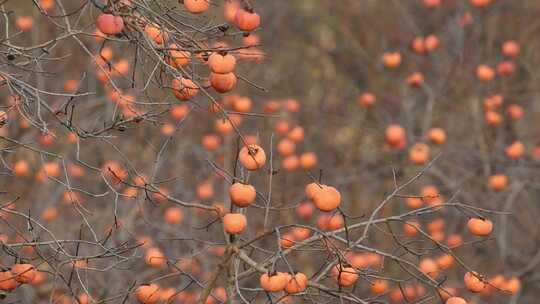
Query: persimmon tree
point(141, 165)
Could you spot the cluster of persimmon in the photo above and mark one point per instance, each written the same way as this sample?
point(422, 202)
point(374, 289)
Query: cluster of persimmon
point(433, 267)
point(19, 274)
point(290, 137)
point(281, 281)
point(153, 293)
point(221, 63)
point(419, 153)
point(26, 23)
point(244, 18)
point(253, 158)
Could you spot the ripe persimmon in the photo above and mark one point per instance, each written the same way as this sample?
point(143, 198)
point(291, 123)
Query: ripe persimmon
point(437, 136)
point(196, 6)
point(394, 134)
point(154, 257)
point(454, 240)
point(366, 100)
point(46, 5)
point(184, 88)
point(179, 112)
point(251, 139)
point(247, 21)
point(330, 222)
point(456, 300)
point(344, 276)
point(173, 215)
point(292, 105)
point(431, 195)
point(7, 281)
point(211, 142)
point(221, 63)
point(498, 182)
point(510, 48)
point(415, 79)
point(480, 227)
point(358, 260)
point(251, 40)
point(282, 127)
point(110, 24)
point(432, 43)
point(167, 294)
point(271, 106)
point(391, 59)
point(252, 157)
point(168, 129)
point(290, 163)
point(287, 240)
point(223, 83)
point(273, 282)
point(114, 170)
point(305, 210)
point(418, 45)
point(513, 285)
point(493, 118)
point(411, 227)
point(51, 169)
point(379, 287)
point(514, 112)
point(419, 154)
point(301, 233)
point(506, 68)
point(229, 10)
point(311, 189)
point(155, 33)
point(178, 56)
point(234, 223)
point(296, 283)
point(205, 190)
point(429, 267)
point(242, 104)
point(49, 214)
point(445, 261)
point(24, 273)
point(308, 160)
point(435, 225)
point(515, 150)
point(296, 134)
point(485, 73)
point(242, 195)
point(21, 168)
point(396, 295)
point(327, 198)
point(120, 68)
point(148, 294)
point(223, 126)
point(286, 147)
point(24, 23)
point(83, 298)
point(414, 202)
point(473, 283)
point(493, 102)
point(47, 139)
